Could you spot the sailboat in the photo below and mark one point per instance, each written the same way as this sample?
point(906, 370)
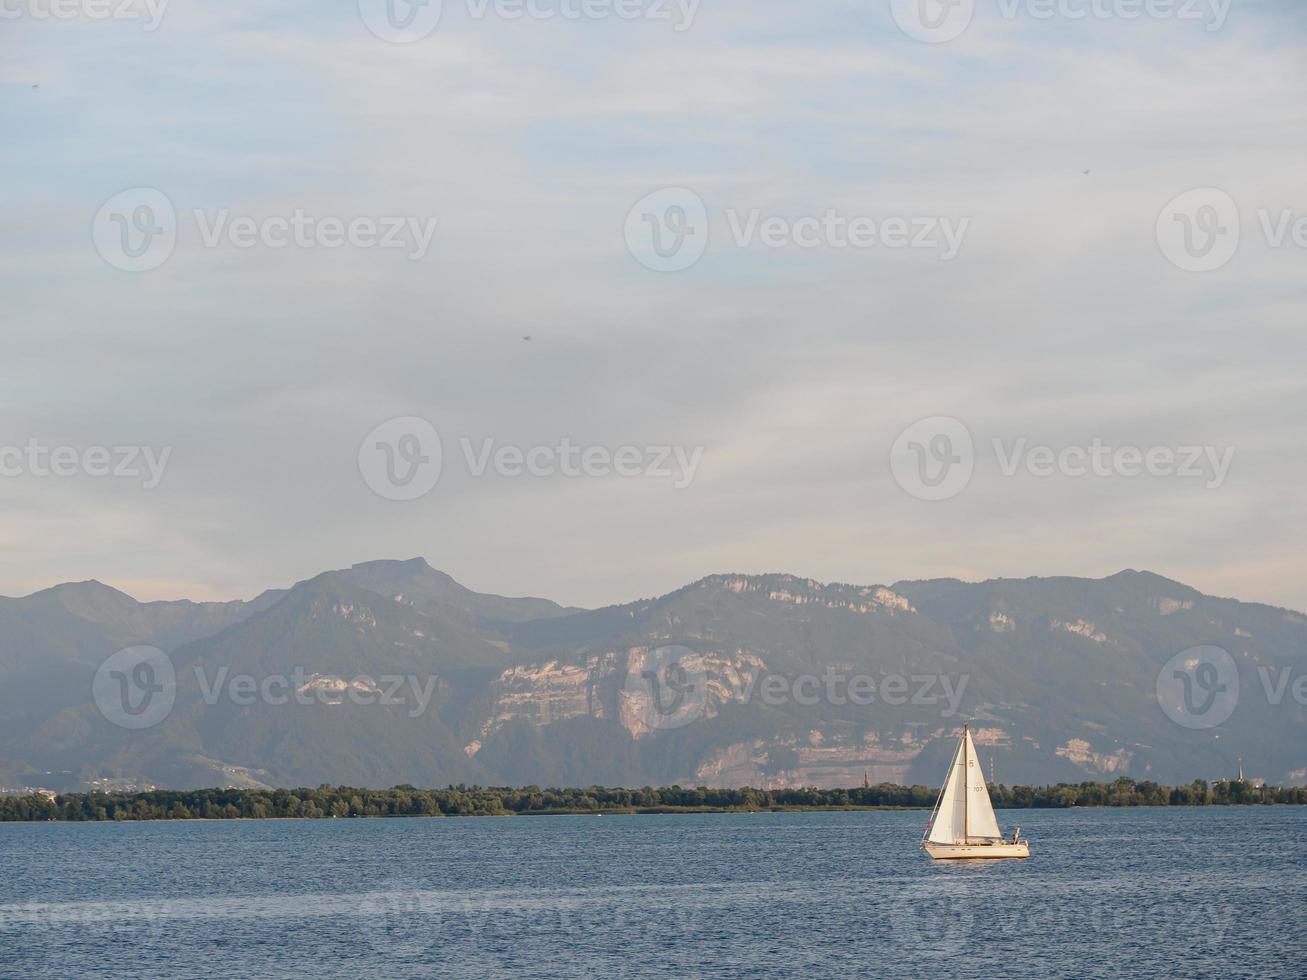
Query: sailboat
point(963, 823)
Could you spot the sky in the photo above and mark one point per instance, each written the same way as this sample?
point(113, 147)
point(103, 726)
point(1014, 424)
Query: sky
point(814, 294)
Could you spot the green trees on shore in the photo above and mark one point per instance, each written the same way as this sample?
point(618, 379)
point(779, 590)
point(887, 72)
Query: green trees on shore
point(407, 801)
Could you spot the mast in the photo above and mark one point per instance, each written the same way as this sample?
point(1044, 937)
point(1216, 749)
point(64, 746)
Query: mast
point(966, 783)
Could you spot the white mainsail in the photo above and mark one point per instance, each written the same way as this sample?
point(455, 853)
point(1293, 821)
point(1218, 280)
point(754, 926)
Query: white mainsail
point(964, 813)
point(948, 822)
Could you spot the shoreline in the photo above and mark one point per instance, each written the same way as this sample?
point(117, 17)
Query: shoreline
point(647, 812)
point(344, 802)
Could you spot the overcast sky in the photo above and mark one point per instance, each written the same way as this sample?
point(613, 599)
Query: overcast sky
point(1051, 147)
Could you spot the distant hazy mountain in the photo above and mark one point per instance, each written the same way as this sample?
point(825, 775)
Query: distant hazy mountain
point(732, 680)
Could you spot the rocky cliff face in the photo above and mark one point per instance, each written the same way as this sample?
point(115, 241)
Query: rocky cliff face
point(768, 680)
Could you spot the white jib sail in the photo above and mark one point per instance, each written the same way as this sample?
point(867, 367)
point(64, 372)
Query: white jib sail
point(964, 812)
point(981, 822)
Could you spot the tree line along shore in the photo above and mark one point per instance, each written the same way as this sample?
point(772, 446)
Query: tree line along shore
point(466, 801)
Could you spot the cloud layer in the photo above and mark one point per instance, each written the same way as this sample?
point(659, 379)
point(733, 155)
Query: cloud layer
point(1059, 322)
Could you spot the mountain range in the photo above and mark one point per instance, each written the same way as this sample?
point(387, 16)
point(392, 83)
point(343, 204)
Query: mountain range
point(391, 672)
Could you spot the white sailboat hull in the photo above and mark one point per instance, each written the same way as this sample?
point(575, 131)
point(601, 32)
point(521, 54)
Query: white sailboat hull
point(963, 825)
point(954, 852)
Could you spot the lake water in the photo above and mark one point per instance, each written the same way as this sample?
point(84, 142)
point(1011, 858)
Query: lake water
point(1200, 893)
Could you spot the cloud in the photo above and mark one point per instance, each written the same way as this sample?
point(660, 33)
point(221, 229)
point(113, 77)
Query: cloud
point(795, 369)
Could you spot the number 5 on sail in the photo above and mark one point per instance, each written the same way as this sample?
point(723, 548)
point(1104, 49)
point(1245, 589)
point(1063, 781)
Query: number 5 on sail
point(963, 824)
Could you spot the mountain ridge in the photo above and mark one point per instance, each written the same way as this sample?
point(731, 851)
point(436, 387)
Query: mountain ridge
point(1059, 674)
point(1140, 574)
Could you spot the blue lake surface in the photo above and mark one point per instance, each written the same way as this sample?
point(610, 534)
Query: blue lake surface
point(1213, 892)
